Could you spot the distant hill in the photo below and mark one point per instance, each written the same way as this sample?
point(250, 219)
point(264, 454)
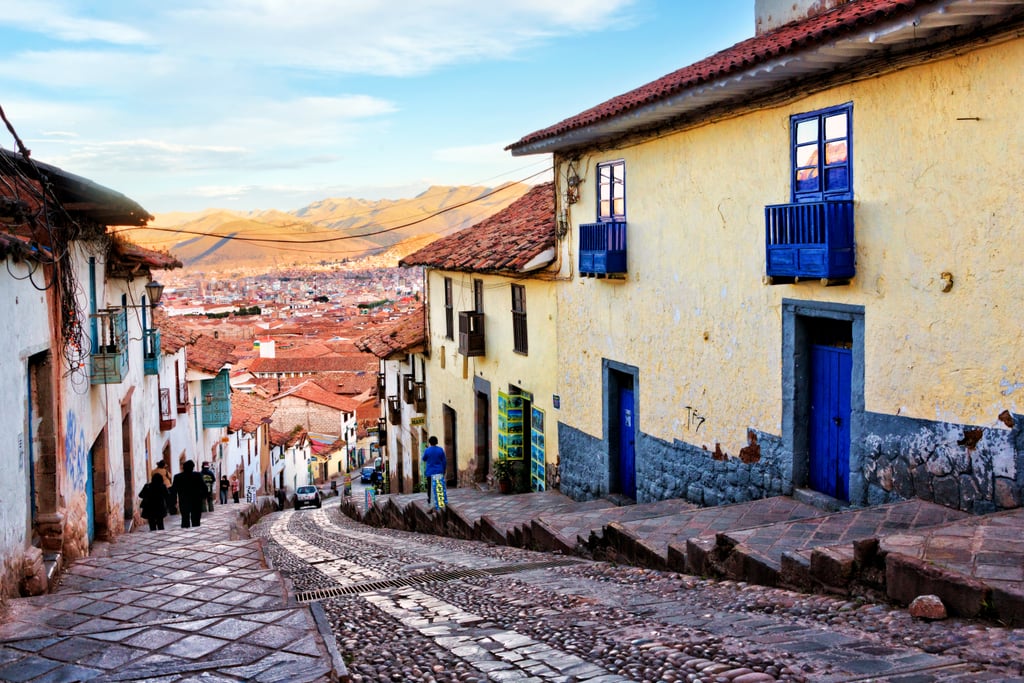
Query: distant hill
point(327, 230)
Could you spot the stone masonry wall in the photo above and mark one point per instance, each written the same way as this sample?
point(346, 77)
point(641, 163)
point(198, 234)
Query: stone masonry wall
point(970, 468)
point(675, 470)
point(583, 464)
point(682, 470)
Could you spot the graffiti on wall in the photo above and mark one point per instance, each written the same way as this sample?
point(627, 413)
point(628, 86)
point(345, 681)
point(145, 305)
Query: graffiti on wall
point(76, 452)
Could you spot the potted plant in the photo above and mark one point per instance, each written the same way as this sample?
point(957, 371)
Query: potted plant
point(503, 474)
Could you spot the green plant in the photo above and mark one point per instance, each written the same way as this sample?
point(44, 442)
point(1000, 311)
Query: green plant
point(503, 469)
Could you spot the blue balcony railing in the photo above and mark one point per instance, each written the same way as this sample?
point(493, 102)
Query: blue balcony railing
point(151, 351)
point(603, 248)
point(810, 240)
point(110, 347)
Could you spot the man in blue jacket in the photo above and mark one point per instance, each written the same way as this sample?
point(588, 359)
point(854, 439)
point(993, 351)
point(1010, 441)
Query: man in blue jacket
point(435, 464)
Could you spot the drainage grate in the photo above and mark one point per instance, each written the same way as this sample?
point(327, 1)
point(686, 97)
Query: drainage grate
point(420, 579)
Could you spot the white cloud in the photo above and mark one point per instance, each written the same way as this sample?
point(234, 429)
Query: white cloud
point(56, 20)
point(376, 36)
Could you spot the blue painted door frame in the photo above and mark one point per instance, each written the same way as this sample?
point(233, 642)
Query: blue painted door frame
point(627, 443)
point(90, 504)
point(829, 438)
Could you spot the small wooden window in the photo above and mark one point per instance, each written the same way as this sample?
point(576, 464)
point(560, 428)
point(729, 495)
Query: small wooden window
point(449, 312)
point(520, 342)
point(478, 296)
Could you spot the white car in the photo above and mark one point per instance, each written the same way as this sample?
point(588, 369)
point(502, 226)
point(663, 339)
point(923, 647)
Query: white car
point(307, 495)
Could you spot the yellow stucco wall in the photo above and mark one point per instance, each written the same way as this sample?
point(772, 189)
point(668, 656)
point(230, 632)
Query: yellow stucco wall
point(935, 190)
point(534, 372)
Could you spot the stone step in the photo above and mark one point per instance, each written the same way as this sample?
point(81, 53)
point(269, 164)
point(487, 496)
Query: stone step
point(757, 554)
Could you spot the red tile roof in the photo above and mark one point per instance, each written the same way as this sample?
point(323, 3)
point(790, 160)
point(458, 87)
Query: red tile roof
point(248, 412)
point(400, 336)
point(128, 254)
point(310, 391)
point(790, 38)
point(349, 363)
point(505, 242)
point(287, 439)
point(209, 355)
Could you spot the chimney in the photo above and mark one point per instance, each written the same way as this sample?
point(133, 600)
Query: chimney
point(771, 14)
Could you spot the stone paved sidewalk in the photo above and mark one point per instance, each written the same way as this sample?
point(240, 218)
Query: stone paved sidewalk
point(172, 605)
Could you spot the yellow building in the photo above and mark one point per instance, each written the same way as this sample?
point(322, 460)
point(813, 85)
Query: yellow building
point(490, 368)
point(819, 285)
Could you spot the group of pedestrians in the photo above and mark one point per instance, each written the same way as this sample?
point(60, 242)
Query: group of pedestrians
point(188, 492)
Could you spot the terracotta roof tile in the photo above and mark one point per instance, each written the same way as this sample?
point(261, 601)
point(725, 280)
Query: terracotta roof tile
point(129, 254)
point(505, 242)
point(310, 391)
point(248, 412)
point(333, 363)
point(400, 336)
point(206, 354)
point(787, 39)
point(287, 439)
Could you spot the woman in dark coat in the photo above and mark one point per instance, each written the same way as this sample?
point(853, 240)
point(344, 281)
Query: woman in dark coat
point(154, 502)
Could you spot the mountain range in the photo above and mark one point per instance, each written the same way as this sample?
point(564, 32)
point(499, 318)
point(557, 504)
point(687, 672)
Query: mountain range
point(332, 229)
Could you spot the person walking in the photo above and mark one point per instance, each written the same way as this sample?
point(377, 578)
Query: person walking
point(190, 490)
point(154, 502)
point(210, 481)
point(234, 487)
point(165, 473)
point(435, 464)
point(224, 486)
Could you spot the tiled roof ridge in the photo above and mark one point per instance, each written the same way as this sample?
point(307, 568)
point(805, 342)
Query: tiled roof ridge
point(802, 33)
point(504, 242)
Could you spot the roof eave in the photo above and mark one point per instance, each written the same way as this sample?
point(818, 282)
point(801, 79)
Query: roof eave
point(907, 34)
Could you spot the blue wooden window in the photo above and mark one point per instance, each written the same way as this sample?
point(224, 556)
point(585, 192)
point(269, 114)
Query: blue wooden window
point(822, 151)
point(611, 191)
point(217, 401)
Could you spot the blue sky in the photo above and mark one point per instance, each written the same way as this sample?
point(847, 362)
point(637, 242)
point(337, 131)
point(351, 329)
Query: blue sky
point(258, 104)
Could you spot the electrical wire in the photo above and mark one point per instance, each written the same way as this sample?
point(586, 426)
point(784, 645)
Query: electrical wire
point(338, 238)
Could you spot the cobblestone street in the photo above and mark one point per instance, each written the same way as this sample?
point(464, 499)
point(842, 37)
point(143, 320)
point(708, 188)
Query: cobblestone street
point(409, 607)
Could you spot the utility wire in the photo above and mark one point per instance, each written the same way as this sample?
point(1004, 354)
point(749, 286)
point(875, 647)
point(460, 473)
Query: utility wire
point(338, 238)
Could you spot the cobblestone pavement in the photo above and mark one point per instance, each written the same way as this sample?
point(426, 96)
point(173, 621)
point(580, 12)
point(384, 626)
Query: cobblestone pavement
point(172, 606)
point(408, 607)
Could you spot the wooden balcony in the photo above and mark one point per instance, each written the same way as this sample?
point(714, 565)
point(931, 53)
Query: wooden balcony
point(382, 387)
point(471, 333)
point(382, 430)
point(603, 249)
point(394, 410)
point(109, 363)
point(151, 351)
point(419, 390)
point(812, 240)
point(167, 411)
point(407, 387)
point(182, 397)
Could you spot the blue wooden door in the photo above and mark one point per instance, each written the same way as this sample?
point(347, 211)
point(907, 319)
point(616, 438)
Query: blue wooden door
point(627, 445)
point(90, 506)
point(830, 421)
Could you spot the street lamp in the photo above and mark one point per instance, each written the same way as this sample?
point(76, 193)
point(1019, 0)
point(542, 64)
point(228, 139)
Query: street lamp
point(154, 290)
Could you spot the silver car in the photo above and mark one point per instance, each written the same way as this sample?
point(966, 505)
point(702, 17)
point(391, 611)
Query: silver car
point(307, 495)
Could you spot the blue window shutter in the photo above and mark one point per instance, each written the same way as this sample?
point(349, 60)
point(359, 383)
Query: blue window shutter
point(216, 401)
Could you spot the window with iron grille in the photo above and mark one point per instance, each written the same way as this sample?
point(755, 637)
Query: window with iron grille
point(611, 191)
point(449, 312)
point(519, 338)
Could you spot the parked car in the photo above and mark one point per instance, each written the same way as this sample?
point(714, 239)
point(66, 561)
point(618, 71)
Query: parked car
point(366, 475)
point(307, 495)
